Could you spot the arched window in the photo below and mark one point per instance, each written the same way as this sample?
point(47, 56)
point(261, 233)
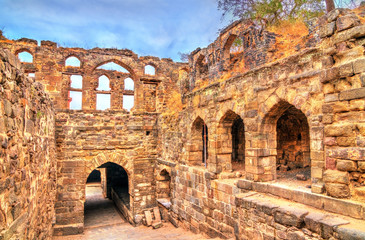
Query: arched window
point(72, 62)
point(103, 96)
point(236, 47)
point(108, 95)
point(231, 142)
point(111, 66)
point(233, 47)
point(149, 70)
point(103, 83)
point(199, 143)
point(128, 84)
point(75, 93)
point(128, 94)
point(25, 57)
point(202, 64)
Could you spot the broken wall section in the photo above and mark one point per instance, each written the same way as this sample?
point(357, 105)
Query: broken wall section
point(27, 163)
point(72, 76)
point(242, 46)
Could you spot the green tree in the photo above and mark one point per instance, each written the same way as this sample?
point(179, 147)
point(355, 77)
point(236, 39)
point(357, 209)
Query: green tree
point(269, 12)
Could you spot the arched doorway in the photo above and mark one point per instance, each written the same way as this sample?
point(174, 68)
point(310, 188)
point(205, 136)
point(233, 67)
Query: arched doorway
point(94, 177)
point(293, 150)
point(286, 131)
point(106, 195)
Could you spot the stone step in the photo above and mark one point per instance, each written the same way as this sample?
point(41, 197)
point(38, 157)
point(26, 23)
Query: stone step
point(349, 208)
point(299, 216)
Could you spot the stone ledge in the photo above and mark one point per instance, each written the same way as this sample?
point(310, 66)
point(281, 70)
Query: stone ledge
point(72, 229)
point(290, 216)
point(339, 206)
point(350, 232)
point(300, 76)
point(167, 163)
point(297, 215)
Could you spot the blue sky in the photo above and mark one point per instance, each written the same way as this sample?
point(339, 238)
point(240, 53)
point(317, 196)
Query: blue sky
point(159, 28)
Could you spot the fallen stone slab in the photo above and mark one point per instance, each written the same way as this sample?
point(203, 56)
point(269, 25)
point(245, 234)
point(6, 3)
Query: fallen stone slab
point(156, 225)
point(156, 212)
point(148, 217)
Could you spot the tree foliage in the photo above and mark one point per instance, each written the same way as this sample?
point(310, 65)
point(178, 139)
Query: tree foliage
point(269, 12)
point(184, 57)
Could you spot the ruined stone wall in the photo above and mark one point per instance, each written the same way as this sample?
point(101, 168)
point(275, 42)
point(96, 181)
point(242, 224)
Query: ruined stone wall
point(88, 139)
point(321, 85)
point(50, 69)
point(27, 155)
point(252, 47)
point(344, 104)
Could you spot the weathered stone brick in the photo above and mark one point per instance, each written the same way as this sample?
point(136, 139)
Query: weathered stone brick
point(327, 30)
point(290, 216)
point(346, 165)
point(347, 21)
point(352, 94)
point(333, 176)
point(339, 130)
point(361, 165)
point(338, 190)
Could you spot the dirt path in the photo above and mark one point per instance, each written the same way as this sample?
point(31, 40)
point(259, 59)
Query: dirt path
point(104, 222)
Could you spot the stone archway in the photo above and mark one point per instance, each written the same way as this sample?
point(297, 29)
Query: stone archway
point(231, 142)
point(286, 131)
point(104, 198)
point(115, 163)
point(198, 150)
point(116, 158)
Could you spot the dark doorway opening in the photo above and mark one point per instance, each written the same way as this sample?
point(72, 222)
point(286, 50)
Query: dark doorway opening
point(238, 145)
point(94, 177)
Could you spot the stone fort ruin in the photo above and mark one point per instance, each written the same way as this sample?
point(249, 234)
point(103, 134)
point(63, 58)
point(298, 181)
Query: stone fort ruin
point(245, 142)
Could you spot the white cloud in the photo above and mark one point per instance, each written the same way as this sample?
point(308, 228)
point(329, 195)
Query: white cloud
point(161, 27)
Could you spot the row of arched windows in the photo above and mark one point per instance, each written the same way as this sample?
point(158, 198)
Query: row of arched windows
point(288, 127)
point(72, 61)
point(103, 93)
